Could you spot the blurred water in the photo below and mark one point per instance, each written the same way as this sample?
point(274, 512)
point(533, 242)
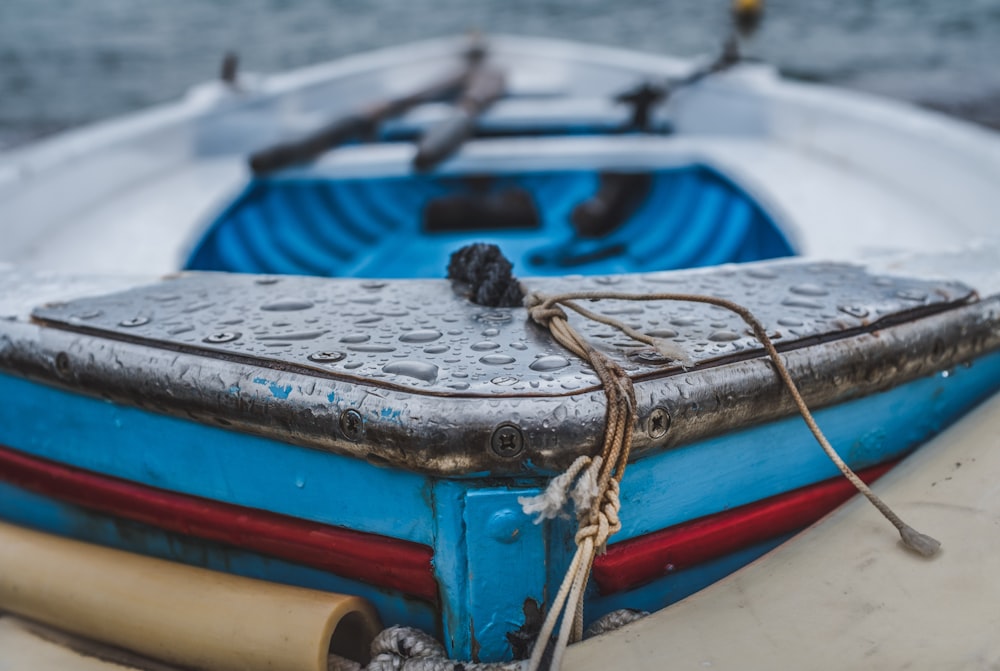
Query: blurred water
point(67, 62)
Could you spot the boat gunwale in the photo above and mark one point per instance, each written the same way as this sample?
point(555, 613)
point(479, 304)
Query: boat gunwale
point(719, 398)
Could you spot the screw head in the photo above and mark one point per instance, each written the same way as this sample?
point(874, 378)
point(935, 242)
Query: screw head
point(326, 356)
point(224, 336)
point(507, 441)
point(352, 425)
point(134, 321)
point(658, 423)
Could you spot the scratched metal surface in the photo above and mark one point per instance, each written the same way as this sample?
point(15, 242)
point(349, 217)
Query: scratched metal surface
point(425, 337)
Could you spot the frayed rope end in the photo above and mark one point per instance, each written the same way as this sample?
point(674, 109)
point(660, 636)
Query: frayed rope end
point(922, 544)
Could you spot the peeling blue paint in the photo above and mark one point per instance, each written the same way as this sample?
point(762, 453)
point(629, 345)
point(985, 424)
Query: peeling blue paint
point(277, 390)
point(392, 415)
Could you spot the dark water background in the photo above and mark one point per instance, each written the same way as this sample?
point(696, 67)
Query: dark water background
point(66, 62)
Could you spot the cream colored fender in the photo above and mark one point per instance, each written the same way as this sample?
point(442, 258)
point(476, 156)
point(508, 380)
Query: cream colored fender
point(190, 617)
point(845, 594)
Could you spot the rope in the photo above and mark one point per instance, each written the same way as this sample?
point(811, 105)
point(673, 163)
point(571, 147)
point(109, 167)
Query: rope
point(597, 522)
point(599, 479)
point(487, 274)
point(408, 649)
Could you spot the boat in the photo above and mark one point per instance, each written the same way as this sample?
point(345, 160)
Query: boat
point(261, 369)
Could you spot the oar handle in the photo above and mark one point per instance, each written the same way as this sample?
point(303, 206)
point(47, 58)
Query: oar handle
point(485, 85)
point(307, 148)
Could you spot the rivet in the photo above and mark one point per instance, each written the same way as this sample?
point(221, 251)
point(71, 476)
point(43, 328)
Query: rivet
point(504, 526)
point(224, 336)
point(326, 356)
point(658, 423)
point(352, 425)
point(507, 441)
point(134, 321)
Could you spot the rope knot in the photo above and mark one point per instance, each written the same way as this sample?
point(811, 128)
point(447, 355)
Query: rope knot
point(542, 309)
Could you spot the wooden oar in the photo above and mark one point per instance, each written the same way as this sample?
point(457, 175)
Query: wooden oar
point(485, 85)
point(362, 123)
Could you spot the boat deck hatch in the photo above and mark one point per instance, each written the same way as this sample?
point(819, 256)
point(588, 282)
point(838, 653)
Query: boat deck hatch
point(678, 217)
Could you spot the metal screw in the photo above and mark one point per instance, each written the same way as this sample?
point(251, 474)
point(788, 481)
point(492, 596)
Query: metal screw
point(62, 363)
point(224, 336)
point(507, 441)
point(134, 321)
point(326, 357)
point(658, 423)
point(352, 425)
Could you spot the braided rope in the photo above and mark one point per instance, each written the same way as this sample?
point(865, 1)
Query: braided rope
point(598, 522)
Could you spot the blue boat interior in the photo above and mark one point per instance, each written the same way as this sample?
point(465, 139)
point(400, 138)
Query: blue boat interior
point(408, 226)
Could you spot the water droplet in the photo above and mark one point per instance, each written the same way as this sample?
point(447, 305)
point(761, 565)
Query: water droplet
point(491, 333)
point(762, 274)
point(485, 346)
point(551, 362)
point(372, 348)
point(300, 481)
point(372, 284)
point(355, 338)
point(518, 346)
point(683, 321)
point(460, 386)
point(354, 364)
point(724, 336)
point(497, 359)
point(302, 335)
point(420, 335)
point(265, 281)
point(436, 349)
point(912, 295)
point(808, 290)
point(420, 370)
point(662, 333)
point(369, 320)
point(854, 310)
point(802, 303)
point(494, 316)
point(504, 380)
point(790, 321)
point(608, 280)
point(286, 306)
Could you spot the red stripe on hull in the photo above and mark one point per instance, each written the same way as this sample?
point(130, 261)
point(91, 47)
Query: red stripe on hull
point(634, 562)
point(378, 560)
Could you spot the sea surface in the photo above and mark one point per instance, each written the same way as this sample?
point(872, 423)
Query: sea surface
point(64, 63)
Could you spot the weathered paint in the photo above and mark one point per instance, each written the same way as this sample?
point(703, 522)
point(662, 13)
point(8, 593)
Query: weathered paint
point(734, 469)
point(483, 579)
point(38, 512)
point(191, 458)
point(388, 563)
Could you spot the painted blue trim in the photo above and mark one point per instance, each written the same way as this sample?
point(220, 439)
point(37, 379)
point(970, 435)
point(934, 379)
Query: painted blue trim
point(731, 470)
point(24, 508)
point(507, 565)
point(190, 458)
